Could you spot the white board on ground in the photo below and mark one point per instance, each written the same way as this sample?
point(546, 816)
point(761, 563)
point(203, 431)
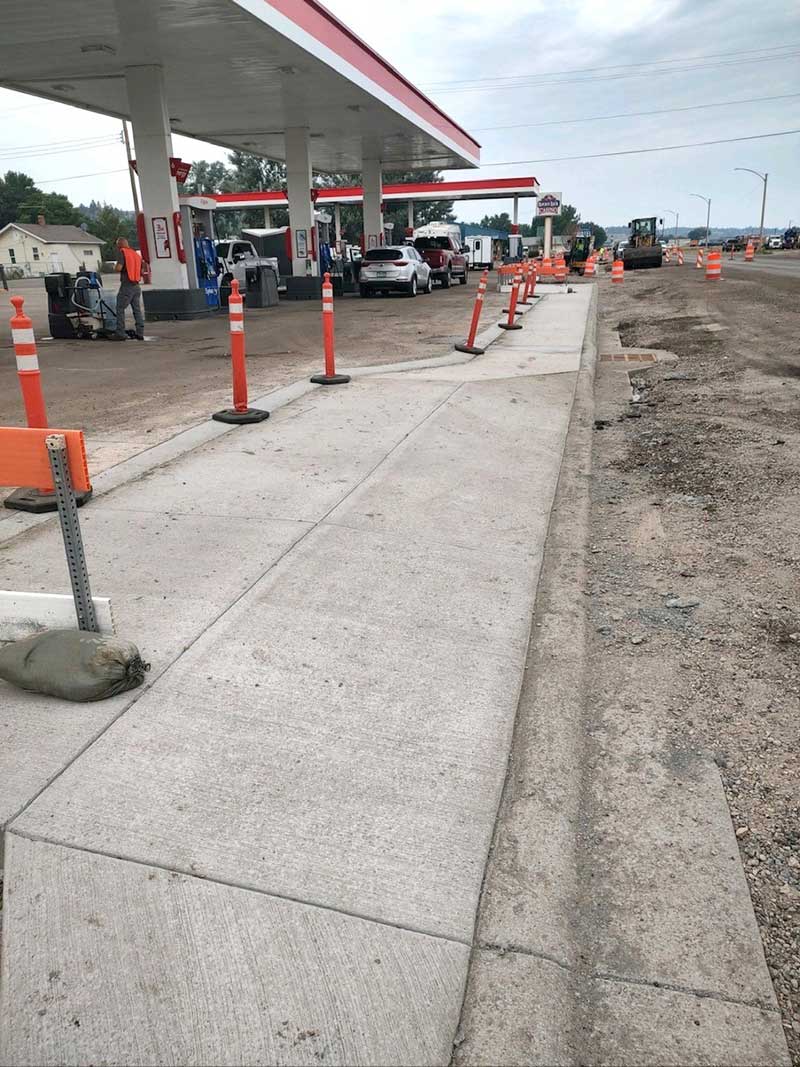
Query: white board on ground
point(23, 614)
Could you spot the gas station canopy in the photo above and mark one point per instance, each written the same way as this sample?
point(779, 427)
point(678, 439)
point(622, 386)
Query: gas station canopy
point(237, 73)
point(470, 189)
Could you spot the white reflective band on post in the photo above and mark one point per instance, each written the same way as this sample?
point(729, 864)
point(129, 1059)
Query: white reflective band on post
point(23, 337)
point(327, 306)
point(27, 362)
point(237, 326)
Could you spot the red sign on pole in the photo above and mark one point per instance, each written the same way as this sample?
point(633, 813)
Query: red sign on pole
point(177, 168)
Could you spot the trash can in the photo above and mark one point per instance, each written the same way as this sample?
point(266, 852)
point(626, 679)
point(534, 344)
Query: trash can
point(261, 287)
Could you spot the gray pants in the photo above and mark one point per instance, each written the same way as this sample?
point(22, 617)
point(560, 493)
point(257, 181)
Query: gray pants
point(130, 293)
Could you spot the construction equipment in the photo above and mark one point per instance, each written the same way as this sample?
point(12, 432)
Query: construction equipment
point(582, 248)
point(79, 308)
point(643, 249)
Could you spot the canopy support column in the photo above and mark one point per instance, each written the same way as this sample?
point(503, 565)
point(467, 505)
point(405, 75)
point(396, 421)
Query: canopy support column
point(301, 210)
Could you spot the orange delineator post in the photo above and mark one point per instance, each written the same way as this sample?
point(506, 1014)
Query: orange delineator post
point(509, 324)
point(240, 412)
point(30, 380)
point(469, 347)
point(617, 271)
point(330, 377)
point(714, 267)
point(530, 281)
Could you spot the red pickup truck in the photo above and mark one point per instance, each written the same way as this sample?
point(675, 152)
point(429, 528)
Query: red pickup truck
point(443, 255)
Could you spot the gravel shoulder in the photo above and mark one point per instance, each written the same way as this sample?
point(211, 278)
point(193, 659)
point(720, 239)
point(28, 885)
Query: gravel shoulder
point(695, 552)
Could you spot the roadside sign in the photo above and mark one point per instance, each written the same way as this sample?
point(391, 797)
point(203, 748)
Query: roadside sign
point(585, 231)
point(548, 204)
point(24, 458)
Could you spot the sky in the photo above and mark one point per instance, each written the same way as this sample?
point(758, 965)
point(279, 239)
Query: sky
point(522, 65)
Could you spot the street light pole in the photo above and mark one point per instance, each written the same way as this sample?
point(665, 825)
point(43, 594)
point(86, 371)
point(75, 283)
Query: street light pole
point(763, 177)
point(677, 216)
point(708, 213)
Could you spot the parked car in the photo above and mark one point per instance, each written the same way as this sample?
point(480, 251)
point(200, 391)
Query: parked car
point(774, 242)
point(396, 268)
point(440, 245)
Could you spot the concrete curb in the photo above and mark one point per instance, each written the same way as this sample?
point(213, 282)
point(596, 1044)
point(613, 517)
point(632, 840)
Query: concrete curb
point(14, 524)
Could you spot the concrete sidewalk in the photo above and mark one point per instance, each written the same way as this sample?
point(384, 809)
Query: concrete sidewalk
point(274, 853)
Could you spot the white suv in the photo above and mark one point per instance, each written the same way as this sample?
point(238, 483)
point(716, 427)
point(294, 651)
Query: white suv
point(399, 267)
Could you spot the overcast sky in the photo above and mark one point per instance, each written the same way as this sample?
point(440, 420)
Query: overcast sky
point(462, 51)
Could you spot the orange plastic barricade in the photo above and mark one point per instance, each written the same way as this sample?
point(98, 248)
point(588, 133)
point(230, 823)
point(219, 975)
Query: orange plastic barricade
point(330, 377)
point(748, 252)
point(589, 269)
point(680, 257)
point(714, 266)
point(699, 260)
point(617, 272)
point(24, 460)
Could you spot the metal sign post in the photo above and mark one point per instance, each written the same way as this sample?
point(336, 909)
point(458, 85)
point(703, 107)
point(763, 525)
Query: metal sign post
point(71, 532)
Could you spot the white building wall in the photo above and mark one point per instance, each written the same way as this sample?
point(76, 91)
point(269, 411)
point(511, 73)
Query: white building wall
point(52, 257)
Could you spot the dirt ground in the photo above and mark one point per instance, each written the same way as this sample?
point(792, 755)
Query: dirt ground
point(695, 574)
point(127, 397)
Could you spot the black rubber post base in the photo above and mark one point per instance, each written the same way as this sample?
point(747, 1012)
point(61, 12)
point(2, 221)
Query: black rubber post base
point(524, 303)
point(239, 418)
point(330, 379)
point(39, 503)
point(510, 325)
point(471, 350)
point(506, 310)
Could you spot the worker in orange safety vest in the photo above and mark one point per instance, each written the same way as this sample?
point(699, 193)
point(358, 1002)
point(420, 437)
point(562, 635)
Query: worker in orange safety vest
point(129, 267)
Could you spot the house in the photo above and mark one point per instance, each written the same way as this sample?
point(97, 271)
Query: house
point(37, 249)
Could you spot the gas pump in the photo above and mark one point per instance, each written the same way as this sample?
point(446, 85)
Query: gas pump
point(197, 228)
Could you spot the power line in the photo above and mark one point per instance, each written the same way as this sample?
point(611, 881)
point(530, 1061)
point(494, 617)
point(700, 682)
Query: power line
point(632, 114)
point(621, 66)
point(639, 151)
point(93, 174)
point(555, 79)
point(46, 153)
point(55, 144)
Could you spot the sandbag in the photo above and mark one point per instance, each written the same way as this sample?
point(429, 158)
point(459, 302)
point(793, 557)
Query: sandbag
point(73, 664)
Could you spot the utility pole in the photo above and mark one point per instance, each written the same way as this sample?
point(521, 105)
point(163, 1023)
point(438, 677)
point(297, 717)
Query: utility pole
point(763, 177)
point(131, 175)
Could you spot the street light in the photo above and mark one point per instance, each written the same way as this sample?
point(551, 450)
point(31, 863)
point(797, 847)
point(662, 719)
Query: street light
point(763, 177)
point(708, 213)
point(677, 216)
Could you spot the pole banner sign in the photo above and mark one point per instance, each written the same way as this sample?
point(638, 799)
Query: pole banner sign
point(548, 204)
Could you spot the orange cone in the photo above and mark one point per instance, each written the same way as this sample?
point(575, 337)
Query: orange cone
point(617, 272)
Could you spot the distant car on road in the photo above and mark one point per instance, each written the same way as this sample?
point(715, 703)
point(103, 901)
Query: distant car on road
point(396, 268)
point(774, 242)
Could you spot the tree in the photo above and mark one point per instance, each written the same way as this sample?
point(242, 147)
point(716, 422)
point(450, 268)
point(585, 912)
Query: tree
point(15, 188)
point(57, 209)
point(206, 177)
point(108, 224)
point(497, 222)
point(599, 234)
point(566, 222)
point(697, 234)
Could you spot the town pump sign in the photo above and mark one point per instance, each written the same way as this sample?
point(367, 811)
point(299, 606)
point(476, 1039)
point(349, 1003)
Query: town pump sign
point(548, 204)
